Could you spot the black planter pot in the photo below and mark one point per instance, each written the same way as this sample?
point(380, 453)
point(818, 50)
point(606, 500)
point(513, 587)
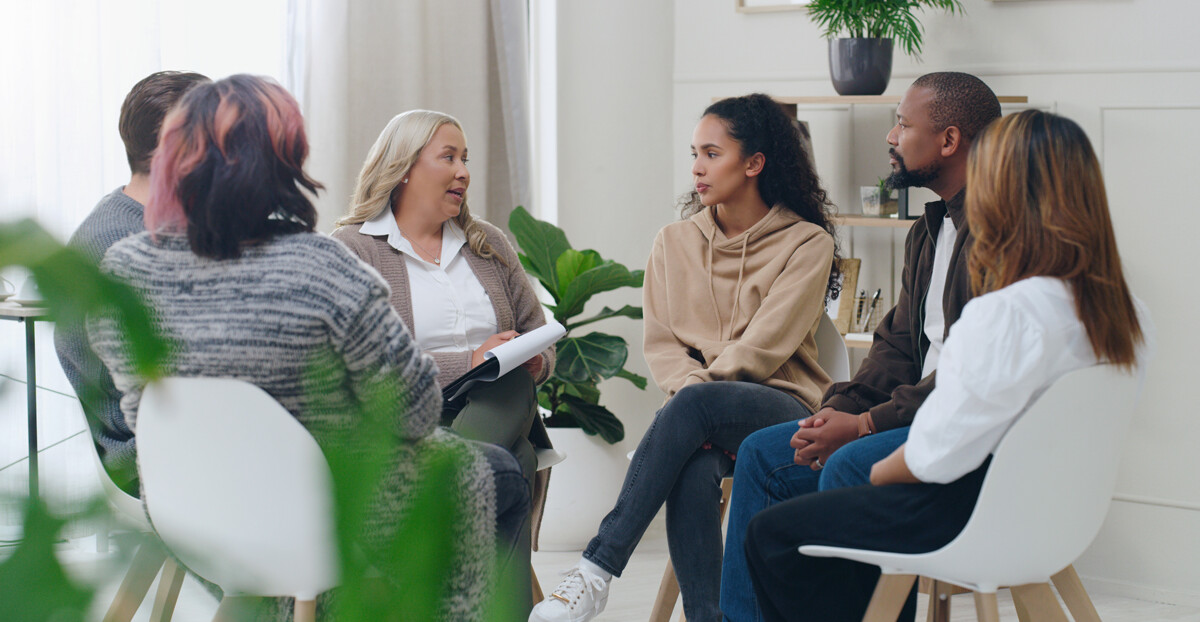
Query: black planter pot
point(860, 66)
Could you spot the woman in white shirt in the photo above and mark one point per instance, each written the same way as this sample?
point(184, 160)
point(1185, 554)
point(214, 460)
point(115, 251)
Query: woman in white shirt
point(1053, 300)
point(456, 281)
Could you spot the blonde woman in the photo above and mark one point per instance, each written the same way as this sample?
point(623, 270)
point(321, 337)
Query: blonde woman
point(456, 281)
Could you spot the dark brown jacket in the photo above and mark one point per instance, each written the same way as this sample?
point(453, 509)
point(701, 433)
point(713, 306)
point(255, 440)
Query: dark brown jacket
point(889, 382)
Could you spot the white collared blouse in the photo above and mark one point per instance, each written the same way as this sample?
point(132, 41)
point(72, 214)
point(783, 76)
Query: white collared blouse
point(451, 310)
point(1005, 350)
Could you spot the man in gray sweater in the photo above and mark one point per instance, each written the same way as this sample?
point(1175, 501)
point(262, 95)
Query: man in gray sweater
point(117, 215)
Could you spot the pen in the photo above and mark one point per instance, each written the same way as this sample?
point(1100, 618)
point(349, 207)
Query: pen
point(871, 309)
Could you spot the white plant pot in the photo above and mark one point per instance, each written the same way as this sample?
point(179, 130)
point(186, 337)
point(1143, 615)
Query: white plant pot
point(583, 489)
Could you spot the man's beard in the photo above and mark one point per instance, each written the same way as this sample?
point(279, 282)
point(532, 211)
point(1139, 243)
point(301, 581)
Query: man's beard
point(904, 178)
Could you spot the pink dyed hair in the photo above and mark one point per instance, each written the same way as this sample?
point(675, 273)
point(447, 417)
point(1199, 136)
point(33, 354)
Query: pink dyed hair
point(241, 109)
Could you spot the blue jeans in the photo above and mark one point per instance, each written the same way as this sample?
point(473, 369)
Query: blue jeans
point(671, 467)
point(766, 474)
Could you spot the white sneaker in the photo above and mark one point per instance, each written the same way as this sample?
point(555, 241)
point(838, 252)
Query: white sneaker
point(580, 597)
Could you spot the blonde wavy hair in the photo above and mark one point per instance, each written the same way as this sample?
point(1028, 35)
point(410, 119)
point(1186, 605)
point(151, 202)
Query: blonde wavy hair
point(388, 163)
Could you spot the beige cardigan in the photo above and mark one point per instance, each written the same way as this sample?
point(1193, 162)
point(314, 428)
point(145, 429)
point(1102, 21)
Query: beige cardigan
point(513, 299)
point(742, 308)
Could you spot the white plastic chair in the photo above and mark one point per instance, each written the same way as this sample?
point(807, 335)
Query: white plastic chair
point(1043, 501)
point(150, 556)
point(835, 360)
point(831, 350)
point(238, 489)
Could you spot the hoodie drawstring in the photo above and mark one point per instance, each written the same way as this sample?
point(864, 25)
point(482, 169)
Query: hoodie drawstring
point(712, 292)
point(737, 290)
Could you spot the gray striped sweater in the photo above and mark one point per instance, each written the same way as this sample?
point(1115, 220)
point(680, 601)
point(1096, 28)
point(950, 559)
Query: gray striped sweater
point(265, 318)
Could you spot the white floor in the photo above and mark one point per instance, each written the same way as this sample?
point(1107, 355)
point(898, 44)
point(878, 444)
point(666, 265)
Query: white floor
point(630, 599)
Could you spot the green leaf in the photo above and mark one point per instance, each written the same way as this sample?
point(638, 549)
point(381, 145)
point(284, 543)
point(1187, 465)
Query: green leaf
point(571, 264)
point(541, 244)
point(628, 311)
point(595, 419)
point(33, 585)
point(590, 358)
point(605, 277)
point(586, 391)
point(638, 381)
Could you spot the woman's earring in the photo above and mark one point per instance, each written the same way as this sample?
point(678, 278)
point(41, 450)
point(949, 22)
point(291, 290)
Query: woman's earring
point(406, 180)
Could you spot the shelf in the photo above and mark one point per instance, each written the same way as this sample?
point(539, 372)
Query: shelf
point(875, 99)
point(868, 221)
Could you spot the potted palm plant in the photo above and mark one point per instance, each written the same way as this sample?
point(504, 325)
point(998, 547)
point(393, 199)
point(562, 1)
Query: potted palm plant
point(862, 35)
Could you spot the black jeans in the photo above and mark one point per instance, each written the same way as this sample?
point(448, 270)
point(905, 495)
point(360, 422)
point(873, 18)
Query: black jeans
point(672, 466)
point(901, 518)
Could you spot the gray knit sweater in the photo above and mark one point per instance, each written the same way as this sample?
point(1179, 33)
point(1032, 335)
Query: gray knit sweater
point(263, 318)
point(116, 216)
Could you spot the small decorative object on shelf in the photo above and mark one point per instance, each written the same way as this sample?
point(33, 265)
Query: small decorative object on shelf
point(867, 311)
point(841, 309)
point(879, 200)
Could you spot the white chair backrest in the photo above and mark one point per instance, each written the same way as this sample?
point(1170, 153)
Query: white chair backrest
point(831, 350)
point(126, 508)
point(236, 487)
point(1049, 484)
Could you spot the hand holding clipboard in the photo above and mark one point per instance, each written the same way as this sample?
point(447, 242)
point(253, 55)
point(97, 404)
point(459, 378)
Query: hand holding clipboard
point(504, 358)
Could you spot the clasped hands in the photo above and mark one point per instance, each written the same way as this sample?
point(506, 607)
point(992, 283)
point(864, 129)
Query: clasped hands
point(533, 365)
point(822, 434)
point(825, 432)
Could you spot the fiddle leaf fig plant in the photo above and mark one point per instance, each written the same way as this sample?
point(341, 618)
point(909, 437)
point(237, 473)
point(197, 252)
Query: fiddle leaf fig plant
point(572, 277)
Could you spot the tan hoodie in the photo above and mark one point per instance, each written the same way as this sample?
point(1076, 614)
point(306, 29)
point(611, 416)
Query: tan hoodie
point(743, 308)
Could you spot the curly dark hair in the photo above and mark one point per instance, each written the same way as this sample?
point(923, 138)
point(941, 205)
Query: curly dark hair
point(760, 125)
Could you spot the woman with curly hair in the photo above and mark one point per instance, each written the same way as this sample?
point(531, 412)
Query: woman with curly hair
point(733, 295)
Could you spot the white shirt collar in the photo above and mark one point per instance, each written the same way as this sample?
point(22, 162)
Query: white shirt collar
point(384, 223)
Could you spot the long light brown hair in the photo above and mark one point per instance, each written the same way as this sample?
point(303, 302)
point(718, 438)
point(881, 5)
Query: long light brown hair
point(1036, 206)
point(389, 161)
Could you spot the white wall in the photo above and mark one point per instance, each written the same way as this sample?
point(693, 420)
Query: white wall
point(1127, 70)
point(614, 158)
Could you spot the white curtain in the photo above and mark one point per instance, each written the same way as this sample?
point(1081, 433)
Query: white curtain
point(368, 60)
point(353, 64)
point(67, 65)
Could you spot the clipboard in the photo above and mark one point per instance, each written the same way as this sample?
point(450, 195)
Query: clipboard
point(499, 361)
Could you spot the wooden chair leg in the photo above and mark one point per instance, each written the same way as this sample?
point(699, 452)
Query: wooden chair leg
point(538, 595)
point(142, 570)
point(306, 610)
point(1023, 614)
point(726, 492)
point(888, 599)
point(1039, 601)
point(1075, 596)
point(668, 594)
point(986, 608)
point(939, 601)
point(168, 591)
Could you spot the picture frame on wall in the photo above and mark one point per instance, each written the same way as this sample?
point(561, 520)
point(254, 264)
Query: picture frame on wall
point(841, 310)
point(769, 6)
